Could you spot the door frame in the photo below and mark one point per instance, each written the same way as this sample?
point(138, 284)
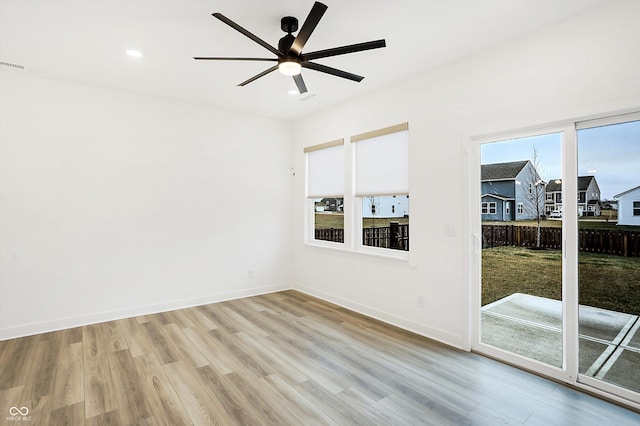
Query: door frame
point(569, 373)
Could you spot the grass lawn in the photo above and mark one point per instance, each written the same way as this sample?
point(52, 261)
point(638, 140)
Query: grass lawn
point(328, 220)
point(607, 282)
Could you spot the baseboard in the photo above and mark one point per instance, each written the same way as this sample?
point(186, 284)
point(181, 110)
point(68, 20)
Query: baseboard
point(438, 335)
point(133, 311)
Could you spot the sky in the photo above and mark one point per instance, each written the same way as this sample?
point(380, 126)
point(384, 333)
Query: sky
point(610, 153)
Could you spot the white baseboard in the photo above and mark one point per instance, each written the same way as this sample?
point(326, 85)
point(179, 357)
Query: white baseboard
point(441, 336)
point(133, 311)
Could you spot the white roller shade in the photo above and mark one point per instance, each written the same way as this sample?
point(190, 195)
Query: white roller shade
point(382, 163)
point(325, 171)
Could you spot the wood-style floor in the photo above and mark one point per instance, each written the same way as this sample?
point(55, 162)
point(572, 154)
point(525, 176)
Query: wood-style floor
point(278, 359)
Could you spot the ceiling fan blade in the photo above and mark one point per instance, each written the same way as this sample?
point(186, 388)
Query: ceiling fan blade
point(332, 71)
point(309, 25)
point(213, 58)
point(252, 36)
point(302, 88)
point(352, 48)
point(255, 77)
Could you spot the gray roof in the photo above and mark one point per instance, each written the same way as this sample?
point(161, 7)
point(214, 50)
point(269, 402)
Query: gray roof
point(583, 184)
point(554, 185)
point(500, 171)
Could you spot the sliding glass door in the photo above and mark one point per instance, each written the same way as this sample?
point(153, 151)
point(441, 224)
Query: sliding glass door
point(521, 280)
point(557, 253)
point(609, 253)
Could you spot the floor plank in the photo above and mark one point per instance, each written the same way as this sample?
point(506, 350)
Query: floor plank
point(283, 358)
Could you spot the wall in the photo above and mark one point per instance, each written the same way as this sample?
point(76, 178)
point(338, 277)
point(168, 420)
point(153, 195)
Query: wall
point(579, 68)
point(625, 208)
point(114, 204)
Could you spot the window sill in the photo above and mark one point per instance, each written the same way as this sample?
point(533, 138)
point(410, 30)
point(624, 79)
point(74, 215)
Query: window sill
point(362, 250)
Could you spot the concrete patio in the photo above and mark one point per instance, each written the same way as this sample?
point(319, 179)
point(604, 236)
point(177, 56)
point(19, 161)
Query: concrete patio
point(532, 326)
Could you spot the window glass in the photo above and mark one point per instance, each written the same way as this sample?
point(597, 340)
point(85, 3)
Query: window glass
point(328, 218)
point(325, 190)
point(385, 222)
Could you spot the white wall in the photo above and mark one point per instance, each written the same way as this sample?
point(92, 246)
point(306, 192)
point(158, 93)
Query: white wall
point(625, 208)
point(114, 204)
point(584, 66)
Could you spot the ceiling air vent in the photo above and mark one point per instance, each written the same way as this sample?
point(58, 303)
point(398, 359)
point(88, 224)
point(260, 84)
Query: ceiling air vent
point(9, 64)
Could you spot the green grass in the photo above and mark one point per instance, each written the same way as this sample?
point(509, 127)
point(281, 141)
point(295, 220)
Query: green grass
point(607, 282)
point(336, 220)
point(329, 220)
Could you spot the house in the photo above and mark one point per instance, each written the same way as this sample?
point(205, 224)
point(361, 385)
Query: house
point(329, 205)
point(388, 206)
point(511, 191)
point(588, 196)
point(629, 207)
point(131, 186)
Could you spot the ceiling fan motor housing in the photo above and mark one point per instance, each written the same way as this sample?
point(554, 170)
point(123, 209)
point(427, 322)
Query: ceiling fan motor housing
point(289, 24)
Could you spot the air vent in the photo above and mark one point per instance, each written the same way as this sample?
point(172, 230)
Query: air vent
point(309, 96)
point(9, 64)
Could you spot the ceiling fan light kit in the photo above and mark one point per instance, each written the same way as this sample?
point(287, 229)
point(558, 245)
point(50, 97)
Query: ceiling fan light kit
point(289, 57)
point(289, 68)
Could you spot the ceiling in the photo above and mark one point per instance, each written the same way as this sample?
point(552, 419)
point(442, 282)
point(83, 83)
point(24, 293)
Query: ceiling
point(85, 41)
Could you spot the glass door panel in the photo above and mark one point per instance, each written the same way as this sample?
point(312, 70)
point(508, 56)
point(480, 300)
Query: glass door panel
point(609, 253)
point(521, 274)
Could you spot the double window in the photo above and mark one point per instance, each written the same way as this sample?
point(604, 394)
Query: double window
point(370, 189)
point(489, 208)
point(636, 208)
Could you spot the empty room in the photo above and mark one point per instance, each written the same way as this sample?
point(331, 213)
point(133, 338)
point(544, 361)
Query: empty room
point(296, 212)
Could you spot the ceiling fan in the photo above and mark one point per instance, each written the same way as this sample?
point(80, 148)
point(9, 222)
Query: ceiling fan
point(289, 54)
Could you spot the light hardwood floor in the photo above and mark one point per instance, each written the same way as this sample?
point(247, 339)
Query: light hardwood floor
point(278, 359)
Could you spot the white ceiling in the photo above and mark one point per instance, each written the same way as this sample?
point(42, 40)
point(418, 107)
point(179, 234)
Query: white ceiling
point(86, 40)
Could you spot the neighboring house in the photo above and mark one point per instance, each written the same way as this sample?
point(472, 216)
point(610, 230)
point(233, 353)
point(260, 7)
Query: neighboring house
point(629, 207)
point(330, 205)
point(386, 206)
point(510, 191)
point(588, 197)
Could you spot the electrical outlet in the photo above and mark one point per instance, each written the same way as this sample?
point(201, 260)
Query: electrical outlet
point(250, 273)
point(421, 301)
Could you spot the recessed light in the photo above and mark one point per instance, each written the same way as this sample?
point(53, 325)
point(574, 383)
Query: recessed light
point(134, 53)
point(293, 92)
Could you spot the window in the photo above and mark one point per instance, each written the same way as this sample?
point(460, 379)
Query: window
point(381, 178)
point(520, 208)
point(325, 190)
point(549, 196)
point(507, 208)
point(636, 208)
point(491, 208)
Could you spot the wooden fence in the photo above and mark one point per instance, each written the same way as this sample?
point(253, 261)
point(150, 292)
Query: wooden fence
point(331, 234)
point(395, 236)
point(603, 241)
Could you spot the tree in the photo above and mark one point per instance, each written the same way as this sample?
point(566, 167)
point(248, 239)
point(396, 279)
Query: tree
point(535, 191)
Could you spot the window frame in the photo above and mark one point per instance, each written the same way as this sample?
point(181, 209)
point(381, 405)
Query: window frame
point(351, 202)
point(310, 208)
point(357, 236)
